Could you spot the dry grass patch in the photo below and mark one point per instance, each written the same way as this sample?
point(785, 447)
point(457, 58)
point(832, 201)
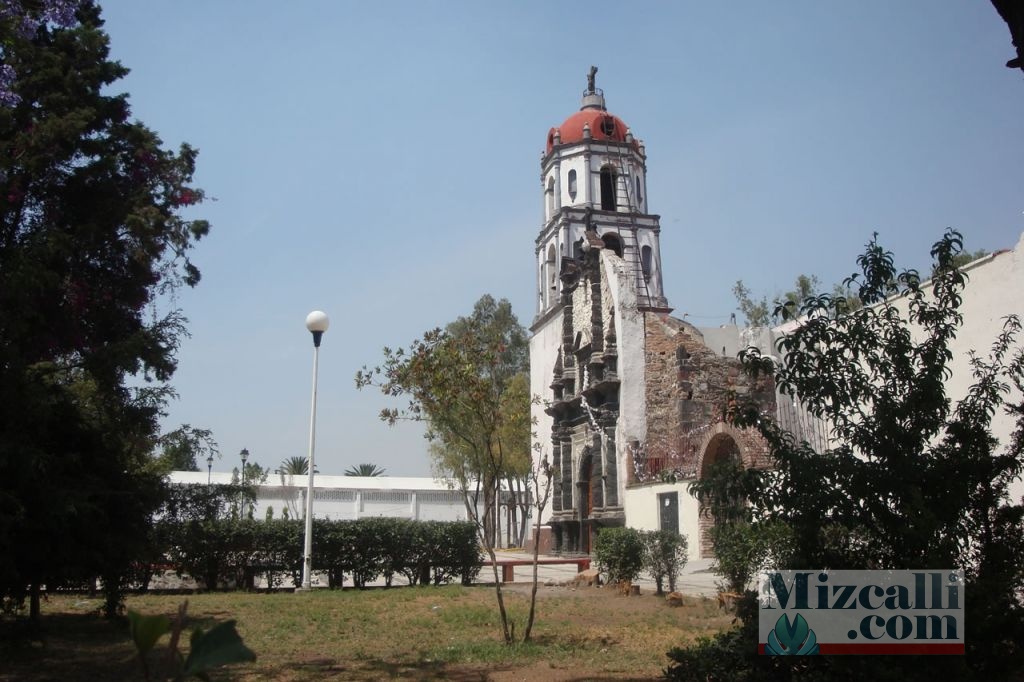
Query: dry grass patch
point(448, 632)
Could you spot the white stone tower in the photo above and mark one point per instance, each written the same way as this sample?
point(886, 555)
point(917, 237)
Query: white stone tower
point(594, 174)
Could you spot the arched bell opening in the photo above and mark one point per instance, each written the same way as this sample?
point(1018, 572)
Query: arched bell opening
point(608, 183)
point(613, 243)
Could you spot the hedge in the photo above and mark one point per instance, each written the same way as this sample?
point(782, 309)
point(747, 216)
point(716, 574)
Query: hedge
point(230, 552)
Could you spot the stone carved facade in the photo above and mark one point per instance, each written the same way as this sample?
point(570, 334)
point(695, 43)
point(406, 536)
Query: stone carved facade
point(631, 396)
point(598, 448)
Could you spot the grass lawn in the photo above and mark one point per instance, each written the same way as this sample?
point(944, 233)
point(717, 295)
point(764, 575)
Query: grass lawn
point(448, 632)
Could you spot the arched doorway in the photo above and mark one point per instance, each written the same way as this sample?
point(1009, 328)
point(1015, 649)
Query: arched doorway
point(721, 449)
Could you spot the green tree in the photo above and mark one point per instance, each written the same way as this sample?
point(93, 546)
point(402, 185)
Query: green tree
point(515, 434)
point(185, 447)
point(290, 467)
point(759, 313)
point(456, 381)
point(294, 466)
point(755, 312)
point(91, 232)
point(364, 470)
point(911, 478)
point(803, 288)
point(961, 259)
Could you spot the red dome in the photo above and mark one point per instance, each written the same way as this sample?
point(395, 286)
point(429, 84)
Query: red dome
point(603, 126)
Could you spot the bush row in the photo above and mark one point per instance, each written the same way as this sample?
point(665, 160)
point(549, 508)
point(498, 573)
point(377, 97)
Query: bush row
point(231, 551)
point(622, 554)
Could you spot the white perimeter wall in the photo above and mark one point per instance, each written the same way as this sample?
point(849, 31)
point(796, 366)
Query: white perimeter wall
point(995, 289)
point(348, 497)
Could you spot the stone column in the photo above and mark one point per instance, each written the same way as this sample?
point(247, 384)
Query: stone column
point(556, 462)
point(611, 477)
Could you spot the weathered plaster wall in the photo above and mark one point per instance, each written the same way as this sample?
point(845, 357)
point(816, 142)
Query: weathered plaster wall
point(644, 514)
point(543, 350)
point(630, 340)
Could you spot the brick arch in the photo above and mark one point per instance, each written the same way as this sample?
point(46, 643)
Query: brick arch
point(722, 440)
point(749, 453)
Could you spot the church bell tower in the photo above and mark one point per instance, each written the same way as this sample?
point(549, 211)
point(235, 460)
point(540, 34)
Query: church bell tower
point(599, 278)
point(594, 179)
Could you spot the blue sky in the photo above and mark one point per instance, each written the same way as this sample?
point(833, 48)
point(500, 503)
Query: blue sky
point(380, 161)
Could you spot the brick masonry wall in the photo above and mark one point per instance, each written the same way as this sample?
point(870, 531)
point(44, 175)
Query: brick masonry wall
point(689, 388)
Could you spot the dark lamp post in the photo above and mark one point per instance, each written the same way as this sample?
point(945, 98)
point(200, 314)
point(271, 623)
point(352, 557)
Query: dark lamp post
point(244, 454)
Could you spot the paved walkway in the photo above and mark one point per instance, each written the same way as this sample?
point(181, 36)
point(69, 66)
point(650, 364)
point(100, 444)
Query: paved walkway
point(696, 578)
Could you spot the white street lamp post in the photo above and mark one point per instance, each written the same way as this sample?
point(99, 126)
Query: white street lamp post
point(316, 323)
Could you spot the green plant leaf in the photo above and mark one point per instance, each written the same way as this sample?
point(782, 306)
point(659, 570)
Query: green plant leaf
point(222, 645)
point(146, 630)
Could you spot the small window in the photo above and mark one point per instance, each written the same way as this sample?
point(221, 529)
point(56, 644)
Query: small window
point(646, 258)
point(551, 267)
point(639, 196)
point(572, 184)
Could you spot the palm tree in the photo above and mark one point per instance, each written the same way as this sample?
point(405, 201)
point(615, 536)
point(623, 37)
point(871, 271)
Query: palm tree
point(364, 470)
point(295, 466)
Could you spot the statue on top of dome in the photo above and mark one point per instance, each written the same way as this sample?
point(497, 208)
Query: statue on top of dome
point(590, 79)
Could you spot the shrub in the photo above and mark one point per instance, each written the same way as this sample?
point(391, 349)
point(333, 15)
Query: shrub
point(280, 551)
point(619, 553)
point(362, 556)
point(462, 552)
point(664, 556)
point(743, 550)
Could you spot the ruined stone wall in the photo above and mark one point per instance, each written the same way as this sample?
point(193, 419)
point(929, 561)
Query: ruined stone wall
point(688, 389)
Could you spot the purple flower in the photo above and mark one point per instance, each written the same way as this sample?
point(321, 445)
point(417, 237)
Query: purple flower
point(60, 12)
point(7, 97)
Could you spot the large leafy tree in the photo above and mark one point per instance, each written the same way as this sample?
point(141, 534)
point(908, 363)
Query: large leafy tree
point(466, 382)
point(91, 232)
point(911, 478)
point(184, 448)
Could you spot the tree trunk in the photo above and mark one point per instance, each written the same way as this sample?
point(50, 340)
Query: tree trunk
point(501, 599)
point(541, 501)
point(33, 604)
